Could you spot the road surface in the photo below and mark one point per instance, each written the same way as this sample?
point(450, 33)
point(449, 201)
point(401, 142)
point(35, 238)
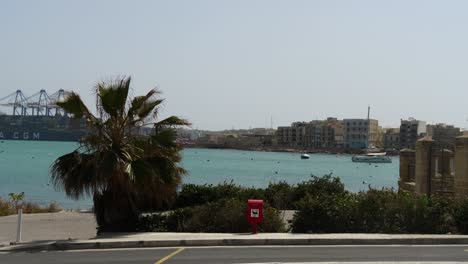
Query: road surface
point(267, 254)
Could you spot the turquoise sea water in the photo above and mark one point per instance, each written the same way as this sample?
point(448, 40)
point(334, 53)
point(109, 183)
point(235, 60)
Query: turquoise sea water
point(24, 167)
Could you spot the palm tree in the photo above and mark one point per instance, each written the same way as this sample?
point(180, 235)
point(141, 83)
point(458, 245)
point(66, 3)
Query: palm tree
point(124, 170)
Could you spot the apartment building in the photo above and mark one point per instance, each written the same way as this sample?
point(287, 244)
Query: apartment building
point(444, 134)
point(316, 134)
point(391, 138)
point(410, 131)
point(360, 133)
point(291, 136)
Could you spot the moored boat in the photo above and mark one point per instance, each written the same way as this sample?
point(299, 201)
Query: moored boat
point(372, 158)
point(305, 156)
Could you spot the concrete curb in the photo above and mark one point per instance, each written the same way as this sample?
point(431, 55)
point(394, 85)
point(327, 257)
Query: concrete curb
point(90, 244)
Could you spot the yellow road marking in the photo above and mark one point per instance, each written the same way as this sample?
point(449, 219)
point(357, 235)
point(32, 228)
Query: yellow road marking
point(169, 256)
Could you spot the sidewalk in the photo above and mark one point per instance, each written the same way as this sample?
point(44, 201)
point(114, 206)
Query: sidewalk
point(58, 226)
point(49, 226)
point(138, 240)
point(74, 230)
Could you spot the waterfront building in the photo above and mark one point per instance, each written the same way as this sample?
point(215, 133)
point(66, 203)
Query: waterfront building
point(391, 138)
point(291, 136)
point(313, 134)
point(443, 133)
point(410, 131)
point(316, 134)
point(339, 134)
point(360, 133)
point(332, 133)
point(188, 134)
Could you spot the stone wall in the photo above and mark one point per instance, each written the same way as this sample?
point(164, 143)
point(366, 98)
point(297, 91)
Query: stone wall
point(461, 166)
point(407, 170)
point(432, 169)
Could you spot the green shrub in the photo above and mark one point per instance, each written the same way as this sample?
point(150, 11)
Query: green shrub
point(380, 211)
point(152, 223)
point(6, 208)
point(461, 215)
point(192, 194)
point(223, 216)
point(325, 214)
point(280, 195)
point(34, 208)
point(317, 186)
point(9, 207)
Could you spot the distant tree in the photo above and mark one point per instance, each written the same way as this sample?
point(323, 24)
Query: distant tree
point(16, 198)
point(124, 170)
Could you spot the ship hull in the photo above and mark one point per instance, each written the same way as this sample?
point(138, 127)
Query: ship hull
point(41, 128)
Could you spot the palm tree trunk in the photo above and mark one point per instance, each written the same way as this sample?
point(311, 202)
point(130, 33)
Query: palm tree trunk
point(115, 211)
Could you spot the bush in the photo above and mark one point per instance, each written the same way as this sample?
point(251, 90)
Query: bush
point(380, 211)
point(318, 186)
point(191, 194)
point(325, 214)
point(8, 207)
point(152, 223)
point(223, 216)
point(34, 208)
point(461, 215)
point(280, 195)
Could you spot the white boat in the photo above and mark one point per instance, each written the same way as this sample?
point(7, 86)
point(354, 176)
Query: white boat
point(305, 156)
point(372, 158)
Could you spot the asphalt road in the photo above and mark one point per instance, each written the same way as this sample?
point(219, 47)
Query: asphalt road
point(280, 254)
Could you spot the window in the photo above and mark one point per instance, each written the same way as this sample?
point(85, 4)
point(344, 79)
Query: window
point(452, 165)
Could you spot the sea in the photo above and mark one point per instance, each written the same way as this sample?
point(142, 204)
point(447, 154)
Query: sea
point(25, 166)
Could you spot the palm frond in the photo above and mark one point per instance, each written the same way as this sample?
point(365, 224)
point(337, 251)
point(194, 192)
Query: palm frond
point(113, 96)
point(75, 106)
point(138, 102)
point(75, 173)
point(165, 138)
point(173, 121)
point(147, 108)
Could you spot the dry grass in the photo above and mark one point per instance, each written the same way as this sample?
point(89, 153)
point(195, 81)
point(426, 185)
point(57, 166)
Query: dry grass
point(7, 207)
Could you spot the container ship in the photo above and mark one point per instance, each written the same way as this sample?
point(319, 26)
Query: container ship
point(43, 128)
point(38, 118)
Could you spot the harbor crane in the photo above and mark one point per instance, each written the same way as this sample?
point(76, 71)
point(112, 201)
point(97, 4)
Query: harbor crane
point(38, 104)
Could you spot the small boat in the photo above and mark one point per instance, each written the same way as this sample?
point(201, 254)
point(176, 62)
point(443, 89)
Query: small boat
point(372, 158)
point(305, 156)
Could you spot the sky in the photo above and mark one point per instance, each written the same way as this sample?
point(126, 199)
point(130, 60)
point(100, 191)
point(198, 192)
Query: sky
point(240, 64)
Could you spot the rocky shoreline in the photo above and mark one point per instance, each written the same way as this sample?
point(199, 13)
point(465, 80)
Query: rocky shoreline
point(289, 150)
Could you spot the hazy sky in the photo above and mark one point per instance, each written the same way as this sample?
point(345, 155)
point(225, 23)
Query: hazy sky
point(224, 64)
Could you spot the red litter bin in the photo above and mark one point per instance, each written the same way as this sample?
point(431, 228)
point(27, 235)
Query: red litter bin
point(254, 213)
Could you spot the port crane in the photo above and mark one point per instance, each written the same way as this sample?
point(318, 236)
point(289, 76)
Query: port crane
point(38, 104)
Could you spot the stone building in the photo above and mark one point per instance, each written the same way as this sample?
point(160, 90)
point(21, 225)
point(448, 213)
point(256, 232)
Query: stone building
point(316, 134)
point(391, 138)
point(445, 134)
point(410, 131)
point(313, 134)
point(434, 168)
point(291, 136)
point(360, 133)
